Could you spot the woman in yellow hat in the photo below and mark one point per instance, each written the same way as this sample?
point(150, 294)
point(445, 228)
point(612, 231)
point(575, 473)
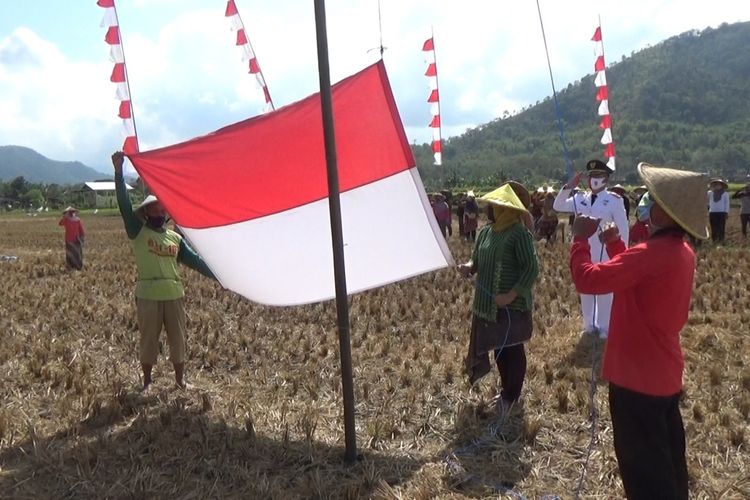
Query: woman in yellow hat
point(505, 264)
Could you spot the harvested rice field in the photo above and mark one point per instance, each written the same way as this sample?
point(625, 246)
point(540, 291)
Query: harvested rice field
point(264, 418)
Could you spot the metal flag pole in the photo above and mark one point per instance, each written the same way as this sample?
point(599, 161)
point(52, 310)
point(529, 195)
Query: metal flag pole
point(334, 205)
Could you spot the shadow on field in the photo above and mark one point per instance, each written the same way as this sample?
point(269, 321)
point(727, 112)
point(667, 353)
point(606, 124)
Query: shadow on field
point(171, 451)
point(486, 455)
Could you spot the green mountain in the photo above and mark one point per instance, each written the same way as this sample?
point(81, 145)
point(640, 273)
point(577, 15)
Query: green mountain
point(684, 102)
point(16, 161)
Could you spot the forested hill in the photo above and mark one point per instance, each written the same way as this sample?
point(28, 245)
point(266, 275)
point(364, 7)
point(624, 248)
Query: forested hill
point(683, 102)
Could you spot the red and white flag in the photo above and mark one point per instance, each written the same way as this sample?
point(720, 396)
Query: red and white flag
point(248, 54)
point(433, 99)
point(252, 198)
point(602, 96)
point(119, 74)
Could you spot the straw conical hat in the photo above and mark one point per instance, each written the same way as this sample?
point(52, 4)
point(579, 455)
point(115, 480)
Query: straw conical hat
point(70, 209)
point(521, 192)
point(681, 194)
point(504, 196)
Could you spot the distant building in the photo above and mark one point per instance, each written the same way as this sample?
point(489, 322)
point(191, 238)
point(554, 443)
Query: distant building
point(99, 194)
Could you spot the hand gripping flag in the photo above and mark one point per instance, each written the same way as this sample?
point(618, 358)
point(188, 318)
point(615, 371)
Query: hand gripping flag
point(602, 95)
point(252, 197)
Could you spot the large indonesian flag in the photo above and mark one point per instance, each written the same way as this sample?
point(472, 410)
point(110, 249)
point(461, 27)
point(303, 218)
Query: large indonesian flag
point(252, 198)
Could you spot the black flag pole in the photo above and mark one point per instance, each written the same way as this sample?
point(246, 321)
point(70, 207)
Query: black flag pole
point(334, 205)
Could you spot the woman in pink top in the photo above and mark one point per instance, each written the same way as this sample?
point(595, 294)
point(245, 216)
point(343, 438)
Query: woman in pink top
point(73, 238)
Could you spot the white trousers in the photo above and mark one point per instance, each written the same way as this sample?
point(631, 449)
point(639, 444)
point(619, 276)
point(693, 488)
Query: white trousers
point(596, 310)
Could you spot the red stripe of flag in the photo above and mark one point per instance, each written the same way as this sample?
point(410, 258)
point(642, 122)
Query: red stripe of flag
point(254, 66)
point(431, 70)
point(606, 122)
point(231, 9)
point(130, 146)
point(118, 73)
point(602, 93)
point(105, 3)
point(241, 38)
point(437, 147)
point(113, 35)
point(609, 151)
point(434, 97)
point(597, 35)
point(266, 93)
point(428, 44)
point(599, 64)
point(435, 121)
point(124, 112)
point(370, 146)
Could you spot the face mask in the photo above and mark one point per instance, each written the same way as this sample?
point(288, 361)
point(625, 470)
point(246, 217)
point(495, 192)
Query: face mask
point(643, 211)
point(597, 183)
point(156, 222)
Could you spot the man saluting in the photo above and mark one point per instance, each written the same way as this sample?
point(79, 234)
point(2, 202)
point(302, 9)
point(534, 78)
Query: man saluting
point(608, 207)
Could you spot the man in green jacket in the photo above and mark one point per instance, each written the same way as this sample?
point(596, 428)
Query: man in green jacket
point(159, 291)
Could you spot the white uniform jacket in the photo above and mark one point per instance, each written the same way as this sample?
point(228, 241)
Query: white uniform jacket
point(607, 206)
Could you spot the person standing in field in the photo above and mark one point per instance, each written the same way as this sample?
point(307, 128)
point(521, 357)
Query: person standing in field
point(471, 216)
point(718, 209)
point(74, 237)
point(505, 263)
point(744, 196)
point(442, 213)
point(159, 291)
point(643, 362)
point(608, 207)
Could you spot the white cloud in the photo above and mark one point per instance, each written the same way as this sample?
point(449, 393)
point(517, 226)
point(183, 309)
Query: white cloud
point(187, 77)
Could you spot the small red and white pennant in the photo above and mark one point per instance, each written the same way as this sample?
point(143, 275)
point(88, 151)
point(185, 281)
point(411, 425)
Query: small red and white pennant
point(602, 95)
point(119, 74)
point(248, 54)
point(434, 99)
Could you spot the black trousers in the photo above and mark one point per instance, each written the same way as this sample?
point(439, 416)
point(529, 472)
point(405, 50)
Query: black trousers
point(744, 220)
point(649, 444)
point(718, 221)
point(511, 363)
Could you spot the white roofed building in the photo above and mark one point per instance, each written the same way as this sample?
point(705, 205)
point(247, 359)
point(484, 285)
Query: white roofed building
point(100, 194)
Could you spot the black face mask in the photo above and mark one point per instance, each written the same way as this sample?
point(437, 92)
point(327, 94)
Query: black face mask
point(155, 222)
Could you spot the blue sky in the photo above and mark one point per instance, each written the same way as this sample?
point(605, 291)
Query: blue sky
point(187, 78)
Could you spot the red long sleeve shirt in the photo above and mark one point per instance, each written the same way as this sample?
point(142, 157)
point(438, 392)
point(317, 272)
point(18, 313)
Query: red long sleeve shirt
point(73, 229)
point(652, 284)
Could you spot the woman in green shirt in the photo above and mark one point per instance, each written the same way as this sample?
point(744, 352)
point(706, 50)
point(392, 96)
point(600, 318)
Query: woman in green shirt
point(159, 291)
point(505, 263)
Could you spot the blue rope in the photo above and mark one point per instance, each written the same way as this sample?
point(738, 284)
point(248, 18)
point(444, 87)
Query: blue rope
point(558, 112)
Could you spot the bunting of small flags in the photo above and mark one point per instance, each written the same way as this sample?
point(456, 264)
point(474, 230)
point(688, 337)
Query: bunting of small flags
point(119, 74)
point(248, 54)
point(433, 99)
point(602, 95)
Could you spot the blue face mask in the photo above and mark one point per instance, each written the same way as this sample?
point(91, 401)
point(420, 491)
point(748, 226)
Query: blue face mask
point(643, 211)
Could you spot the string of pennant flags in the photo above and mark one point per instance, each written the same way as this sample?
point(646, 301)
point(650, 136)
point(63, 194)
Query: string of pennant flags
point(602, 95)
point(119, 74)
point(248, 54)
point(433, 99)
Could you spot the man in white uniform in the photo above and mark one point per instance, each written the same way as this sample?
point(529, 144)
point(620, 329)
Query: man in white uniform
point(610, 209)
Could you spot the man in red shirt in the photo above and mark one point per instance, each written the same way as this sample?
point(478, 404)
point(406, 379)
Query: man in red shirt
point(652, 284)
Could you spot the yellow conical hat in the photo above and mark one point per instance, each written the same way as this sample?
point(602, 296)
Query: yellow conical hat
point(504, 196)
